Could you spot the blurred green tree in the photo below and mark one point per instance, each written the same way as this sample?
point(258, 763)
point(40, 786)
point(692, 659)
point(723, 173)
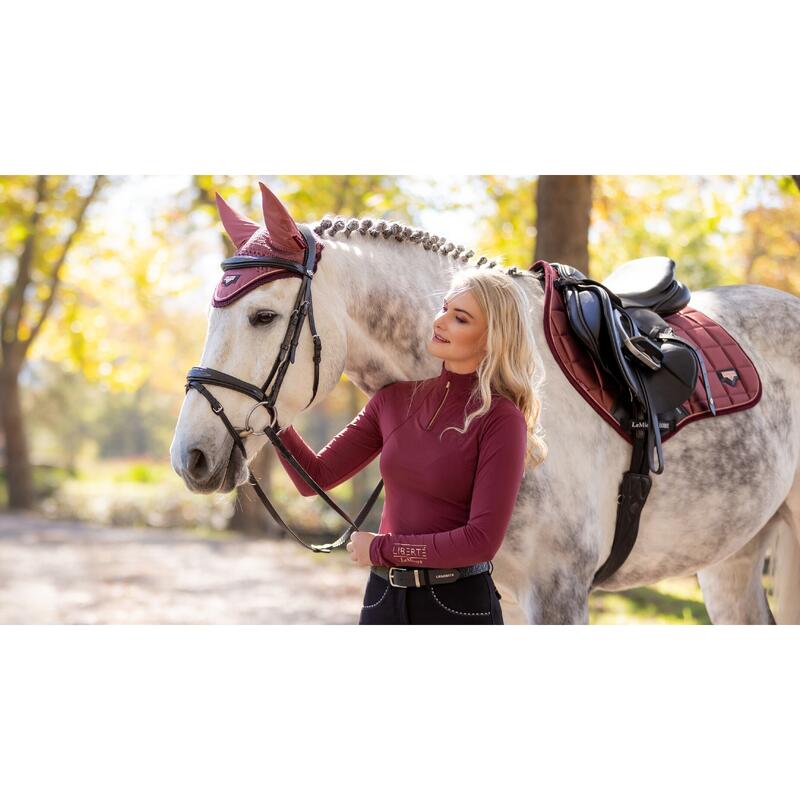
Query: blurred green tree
point(41, 218)
point(718, 229)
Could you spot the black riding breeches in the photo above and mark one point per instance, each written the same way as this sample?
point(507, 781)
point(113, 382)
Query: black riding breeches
point(468, 601)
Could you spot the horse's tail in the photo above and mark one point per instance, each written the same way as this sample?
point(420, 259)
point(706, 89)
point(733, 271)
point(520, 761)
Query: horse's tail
point(785, 567)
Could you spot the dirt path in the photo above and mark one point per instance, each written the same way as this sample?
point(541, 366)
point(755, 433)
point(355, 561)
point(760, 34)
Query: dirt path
point(69, 572)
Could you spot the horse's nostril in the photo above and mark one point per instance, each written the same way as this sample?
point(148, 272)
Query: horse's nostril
point(198, 464)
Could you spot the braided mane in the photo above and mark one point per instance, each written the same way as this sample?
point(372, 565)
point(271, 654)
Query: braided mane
point(341, 226)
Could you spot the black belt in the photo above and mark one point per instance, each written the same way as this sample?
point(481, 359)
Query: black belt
point(408, 577)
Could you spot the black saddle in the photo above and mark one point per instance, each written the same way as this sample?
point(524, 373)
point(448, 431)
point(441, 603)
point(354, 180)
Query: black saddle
point(649, 283)
point(621, 323)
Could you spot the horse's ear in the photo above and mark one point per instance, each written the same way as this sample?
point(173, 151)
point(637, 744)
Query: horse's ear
point(239, 228)
point(282, 231)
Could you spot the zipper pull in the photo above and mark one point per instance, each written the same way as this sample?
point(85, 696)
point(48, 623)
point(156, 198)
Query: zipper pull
point(447, 389)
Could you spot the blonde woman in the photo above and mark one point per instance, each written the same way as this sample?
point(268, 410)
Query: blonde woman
point(453, 453)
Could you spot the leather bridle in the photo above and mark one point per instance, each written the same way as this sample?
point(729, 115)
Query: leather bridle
point(199, 377)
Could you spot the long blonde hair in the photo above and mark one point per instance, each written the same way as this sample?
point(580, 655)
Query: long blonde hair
point(509, 366)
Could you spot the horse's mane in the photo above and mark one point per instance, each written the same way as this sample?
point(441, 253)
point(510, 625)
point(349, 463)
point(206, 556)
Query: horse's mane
point(341, 226)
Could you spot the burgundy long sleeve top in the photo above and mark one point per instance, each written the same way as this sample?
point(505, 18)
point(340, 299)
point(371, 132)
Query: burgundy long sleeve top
point(448, 497)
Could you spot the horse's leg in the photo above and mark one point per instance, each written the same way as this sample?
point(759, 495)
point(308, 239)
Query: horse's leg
point(786, 563)
point(556, 597)
point(550, 551)
point(732, 589)
point(554, 588)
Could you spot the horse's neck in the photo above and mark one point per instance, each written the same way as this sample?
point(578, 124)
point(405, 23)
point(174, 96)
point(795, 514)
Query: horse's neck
point(391, 292)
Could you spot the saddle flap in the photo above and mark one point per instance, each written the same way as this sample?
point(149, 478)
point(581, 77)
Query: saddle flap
point(585, 314)
point(672, 384)
point(646, 320)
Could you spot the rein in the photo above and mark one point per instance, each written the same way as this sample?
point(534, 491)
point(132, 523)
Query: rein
point(199, 377)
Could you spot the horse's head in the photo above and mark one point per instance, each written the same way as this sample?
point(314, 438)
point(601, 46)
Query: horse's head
point(251, 312)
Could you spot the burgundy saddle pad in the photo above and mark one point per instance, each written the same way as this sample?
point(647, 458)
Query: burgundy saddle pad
point(735, 384)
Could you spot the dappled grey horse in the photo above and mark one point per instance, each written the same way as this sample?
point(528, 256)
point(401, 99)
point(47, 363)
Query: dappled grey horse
point(731, 485)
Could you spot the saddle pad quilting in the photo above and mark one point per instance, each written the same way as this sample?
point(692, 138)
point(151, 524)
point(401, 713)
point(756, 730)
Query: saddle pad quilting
point(720, 352)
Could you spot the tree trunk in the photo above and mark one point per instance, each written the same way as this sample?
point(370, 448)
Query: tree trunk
point(14, 348)
point(563, 210)
point(19, 477)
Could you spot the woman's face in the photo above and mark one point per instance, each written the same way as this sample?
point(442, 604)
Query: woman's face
point(462, 326)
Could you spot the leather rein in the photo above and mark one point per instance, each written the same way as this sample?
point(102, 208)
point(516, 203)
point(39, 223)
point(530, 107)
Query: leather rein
point(198, 377)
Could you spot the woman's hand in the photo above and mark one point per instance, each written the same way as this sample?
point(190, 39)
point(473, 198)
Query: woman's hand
point(358, 547)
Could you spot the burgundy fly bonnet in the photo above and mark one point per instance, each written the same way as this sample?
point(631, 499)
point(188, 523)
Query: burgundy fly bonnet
point(279, 238)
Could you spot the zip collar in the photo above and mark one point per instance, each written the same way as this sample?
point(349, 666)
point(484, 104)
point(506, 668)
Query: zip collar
point(453, 385)
point(460, 382)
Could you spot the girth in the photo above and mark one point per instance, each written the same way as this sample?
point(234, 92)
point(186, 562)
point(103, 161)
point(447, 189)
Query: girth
point(200, 377)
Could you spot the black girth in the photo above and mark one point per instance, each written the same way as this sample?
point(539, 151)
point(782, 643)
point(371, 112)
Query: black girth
point(199, 377)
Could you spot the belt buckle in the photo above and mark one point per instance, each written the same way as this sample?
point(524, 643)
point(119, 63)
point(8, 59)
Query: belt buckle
point(392, 570)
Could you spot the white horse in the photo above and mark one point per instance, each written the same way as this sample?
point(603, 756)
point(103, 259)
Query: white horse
point(730, 485)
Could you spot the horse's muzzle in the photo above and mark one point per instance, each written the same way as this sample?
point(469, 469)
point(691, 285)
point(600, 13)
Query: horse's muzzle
point(202, 476)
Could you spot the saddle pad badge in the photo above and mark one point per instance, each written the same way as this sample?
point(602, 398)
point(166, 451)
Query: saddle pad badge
point(729, 376)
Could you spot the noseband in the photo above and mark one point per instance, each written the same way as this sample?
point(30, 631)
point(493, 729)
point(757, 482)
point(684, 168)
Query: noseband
point(199, 377)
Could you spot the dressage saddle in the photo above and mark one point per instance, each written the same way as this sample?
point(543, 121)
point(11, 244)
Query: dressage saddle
point(649, 283)
point(621, 323)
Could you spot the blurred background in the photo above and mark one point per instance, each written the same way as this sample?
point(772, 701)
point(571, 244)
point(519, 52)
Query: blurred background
point(105, 283)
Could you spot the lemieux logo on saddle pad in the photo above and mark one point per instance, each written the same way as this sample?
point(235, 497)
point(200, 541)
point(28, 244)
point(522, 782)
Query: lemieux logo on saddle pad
point(729, 376)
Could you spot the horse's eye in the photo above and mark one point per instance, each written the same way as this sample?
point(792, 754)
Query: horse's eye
point(262, 317)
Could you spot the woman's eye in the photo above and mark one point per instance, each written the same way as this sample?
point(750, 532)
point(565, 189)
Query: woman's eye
point(462, 321)
point(262, 317)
